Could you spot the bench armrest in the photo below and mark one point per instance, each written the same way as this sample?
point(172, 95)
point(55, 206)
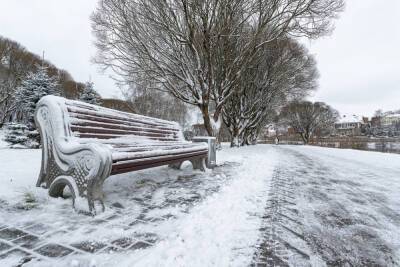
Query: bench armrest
point(212, 155)
point(63, 156)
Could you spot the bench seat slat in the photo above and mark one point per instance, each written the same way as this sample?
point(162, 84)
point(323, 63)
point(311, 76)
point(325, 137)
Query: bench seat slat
point(147, 148)
point(151, 165)
point(139, 164)
point(123, 156)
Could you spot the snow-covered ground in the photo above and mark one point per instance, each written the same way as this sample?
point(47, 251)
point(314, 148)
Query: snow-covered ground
point(3, 144)
point(267, 204)
point(334, 207)
point(216, 214)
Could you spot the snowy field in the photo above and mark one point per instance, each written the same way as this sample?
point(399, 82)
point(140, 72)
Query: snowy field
point(263, 205)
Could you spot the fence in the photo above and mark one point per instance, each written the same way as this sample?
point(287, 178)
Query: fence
point(387, 145)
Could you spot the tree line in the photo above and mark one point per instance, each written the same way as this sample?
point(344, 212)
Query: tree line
point(25, 78)
point(16, 64)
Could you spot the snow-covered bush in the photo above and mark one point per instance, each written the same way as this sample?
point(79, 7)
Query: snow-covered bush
point(29, 201)
point(19, 136)
point(89, 95)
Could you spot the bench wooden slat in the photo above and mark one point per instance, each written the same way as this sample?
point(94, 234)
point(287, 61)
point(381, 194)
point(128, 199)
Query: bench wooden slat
point(152, 165)
point(100, 111)
point(148, 148)
point(122, 118)
point(118, 125)
point(150, 162)
point(119, 122)
point(123, 156)
point(90, 129)
point(110, 136)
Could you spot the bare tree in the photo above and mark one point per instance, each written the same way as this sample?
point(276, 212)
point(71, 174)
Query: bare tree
point(306, 118)
point(283, 71)
point(198, 50)
point(157, 104)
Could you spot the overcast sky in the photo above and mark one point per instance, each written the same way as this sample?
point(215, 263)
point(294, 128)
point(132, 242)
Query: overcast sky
point(359, 63)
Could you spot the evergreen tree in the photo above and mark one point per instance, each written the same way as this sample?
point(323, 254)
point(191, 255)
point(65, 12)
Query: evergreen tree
point(35, 86)
point(89, 95)
point(19, 136)
point(16, 134)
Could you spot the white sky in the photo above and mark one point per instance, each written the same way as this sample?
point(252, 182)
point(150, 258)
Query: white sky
point(359, 63)
point(62, 29)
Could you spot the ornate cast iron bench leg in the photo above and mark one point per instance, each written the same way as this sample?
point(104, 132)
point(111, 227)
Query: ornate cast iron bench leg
point(199, 164)
point(176, 165)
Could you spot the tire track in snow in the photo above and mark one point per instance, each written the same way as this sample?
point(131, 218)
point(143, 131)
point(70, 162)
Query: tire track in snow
point(328, 211)
point(283, 241)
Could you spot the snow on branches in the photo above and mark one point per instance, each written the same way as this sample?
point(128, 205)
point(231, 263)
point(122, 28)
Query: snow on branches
point(282, 71)
point(33, 88)
point(306, 118)
point(198, 50)
point(89, 95)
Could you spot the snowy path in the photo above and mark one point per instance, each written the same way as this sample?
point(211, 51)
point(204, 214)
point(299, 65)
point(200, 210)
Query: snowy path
point(264, 206)
point(333, 207)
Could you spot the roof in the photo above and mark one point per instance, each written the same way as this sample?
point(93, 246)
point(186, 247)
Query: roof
point(392, 116)
point(350, 119)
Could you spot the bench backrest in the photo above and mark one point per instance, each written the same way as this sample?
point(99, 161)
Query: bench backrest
point(91, 121)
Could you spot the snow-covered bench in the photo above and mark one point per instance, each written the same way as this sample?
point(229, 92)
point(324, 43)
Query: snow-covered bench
point(84, 144)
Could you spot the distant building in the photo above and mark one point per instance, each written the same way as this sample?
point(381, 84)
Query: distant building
point(270, 131)
point(376, 122)
point(349, 125)
point(386, 124)
point(390, 119)
point(273, 130)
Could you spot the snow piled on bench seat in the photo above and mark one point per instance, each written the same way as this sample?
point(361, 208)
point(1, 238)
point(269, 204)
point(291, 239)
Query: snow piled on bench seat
point(145, 147)
point(164, 151)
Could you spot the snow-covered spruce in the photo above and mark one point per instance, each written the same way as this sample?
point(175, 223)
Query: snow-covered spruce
point(89, 95)
point(19, 136)
point(33, 88)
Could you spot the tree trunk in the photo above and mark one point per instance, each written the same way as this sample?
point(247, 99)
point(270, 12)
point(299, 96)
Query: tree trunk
point(206, 119)
point(303, 136)
point(211, 124)
point(235, 142)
